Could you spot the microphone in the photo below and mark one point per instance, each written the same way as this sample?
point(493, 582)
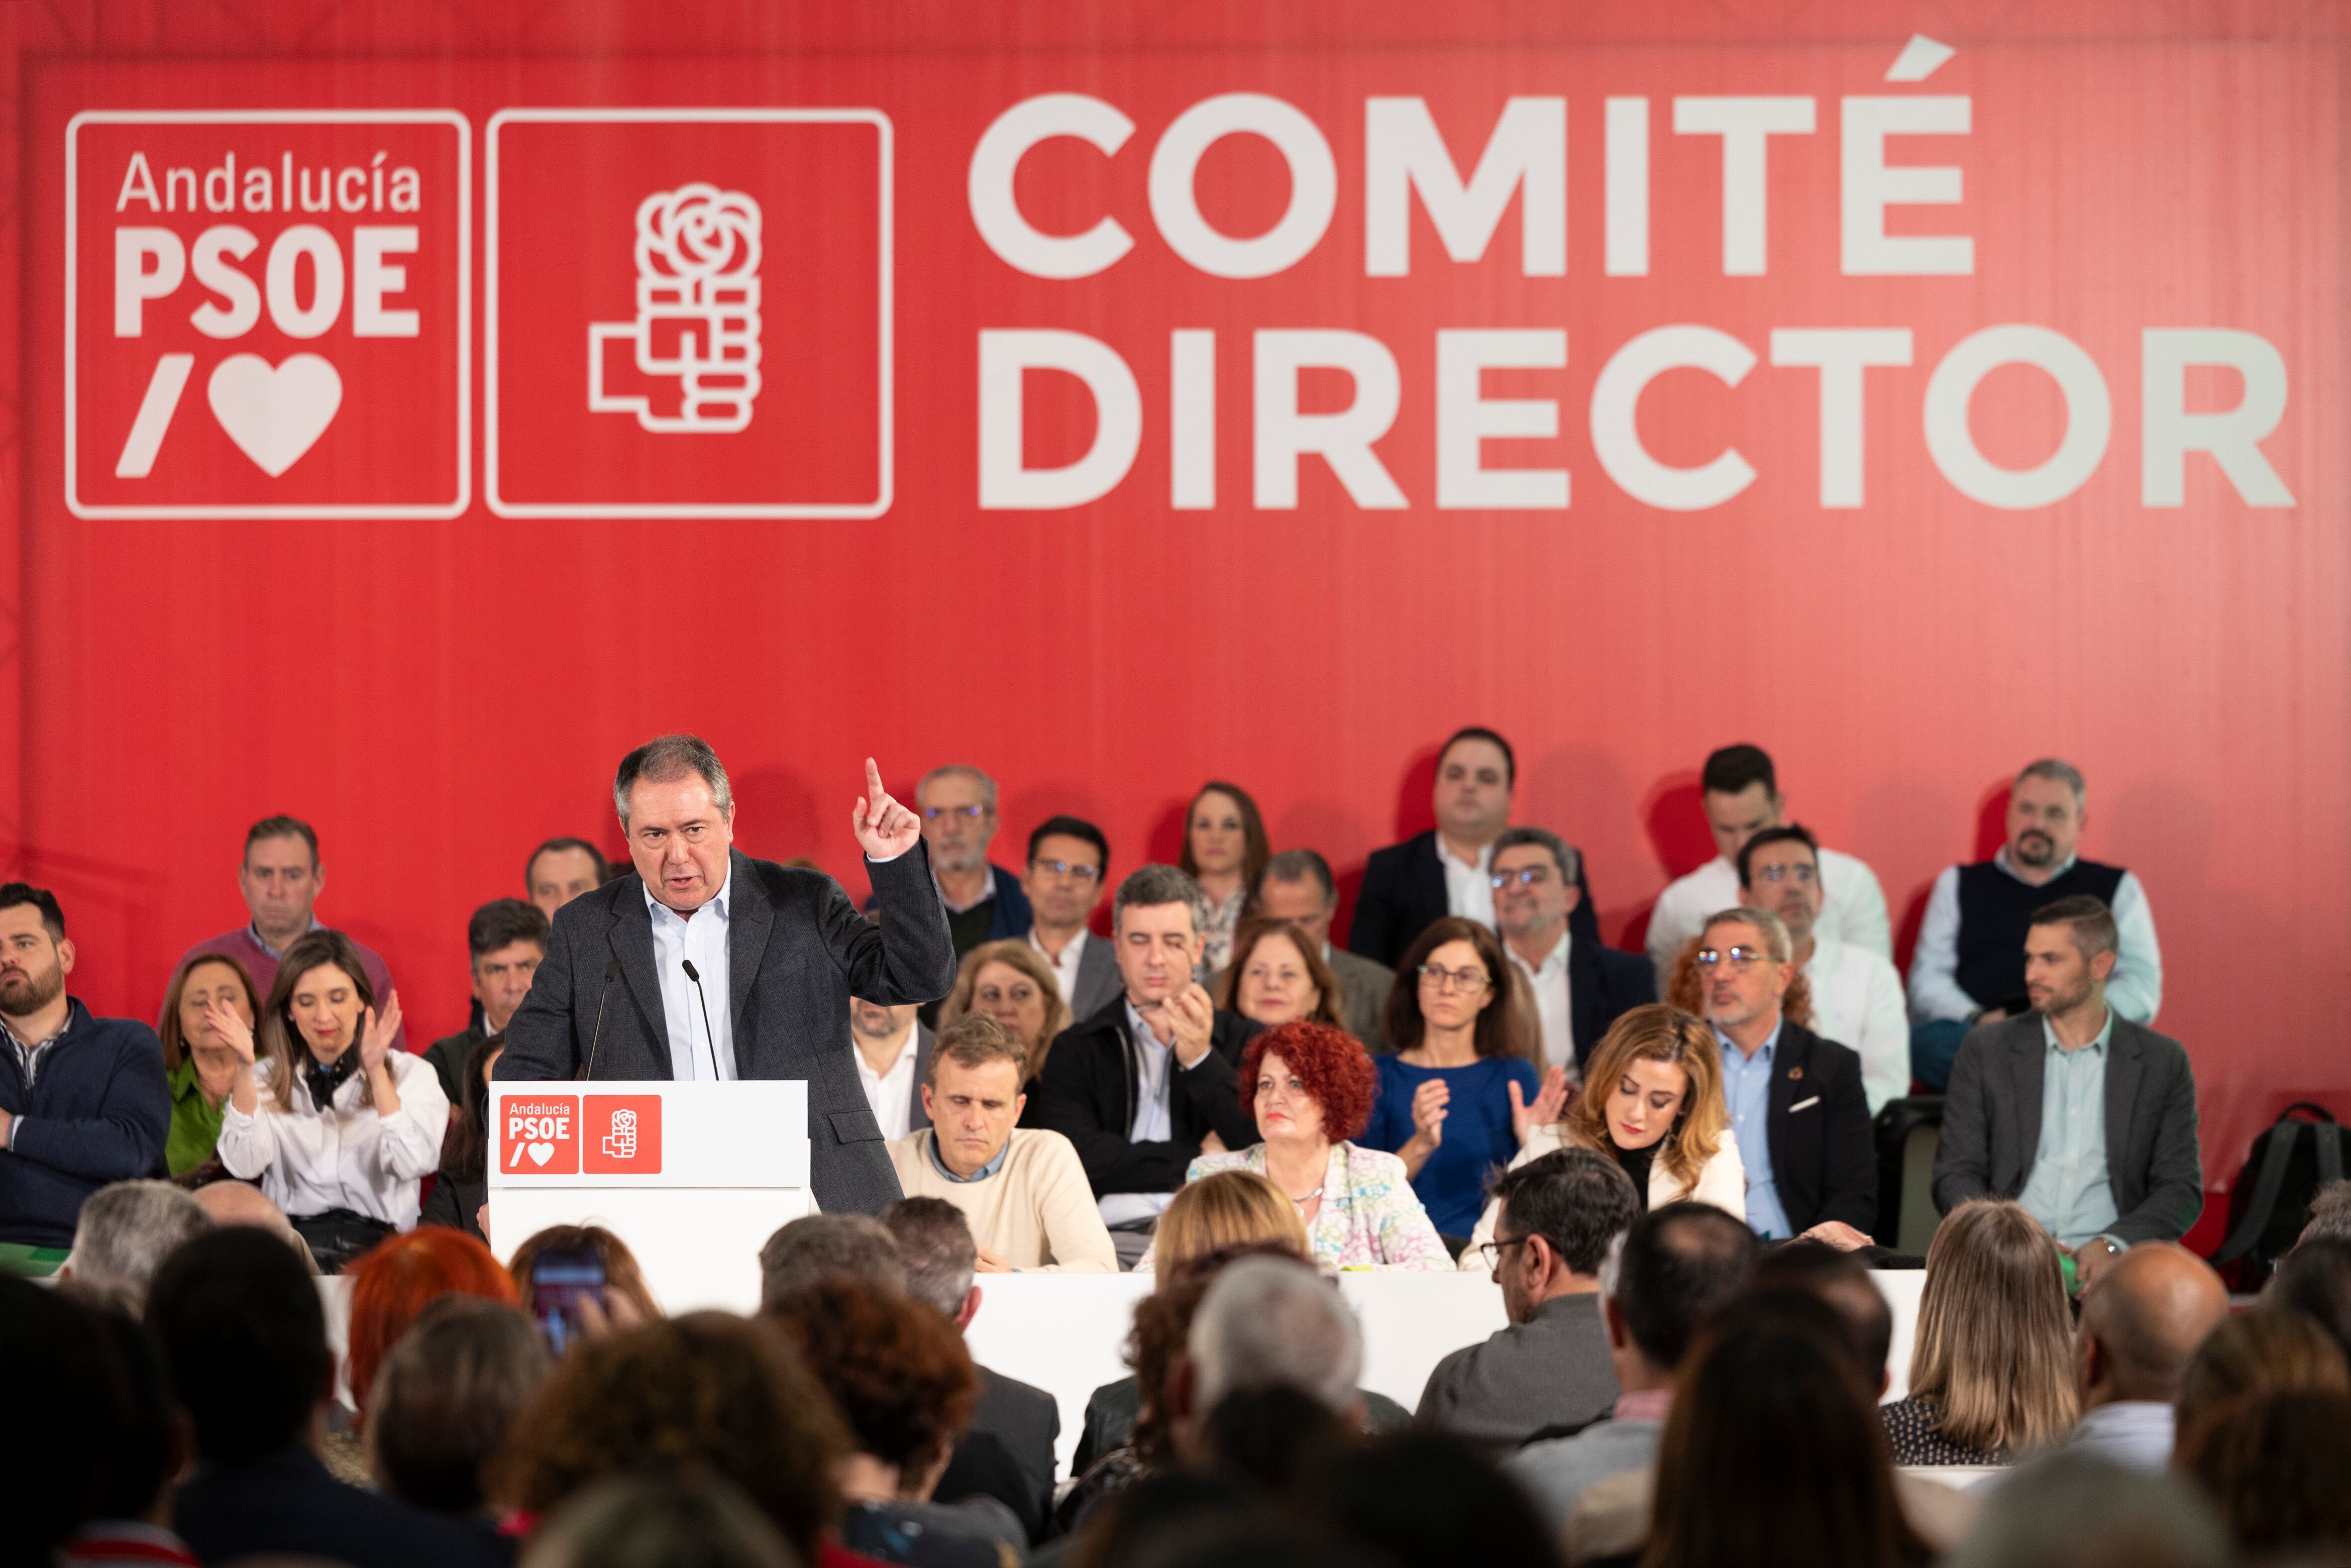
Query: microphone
point(612, 971)
point(693, 974)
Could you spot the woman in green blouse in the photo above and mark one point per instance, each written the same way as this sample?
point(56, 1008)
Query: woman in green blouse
point(200, 1062)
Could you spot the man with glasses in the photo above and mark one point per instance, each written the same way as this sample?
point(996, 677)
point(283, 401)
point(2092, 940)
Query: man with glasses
point(984, 902)
point(1795, 1100)
point(1856, 995)
point(1579, 987)
point(1068, 866)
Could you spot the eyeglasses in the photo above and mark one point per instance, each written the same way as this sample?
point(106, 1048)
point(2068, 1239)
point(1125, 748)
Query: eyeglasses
point(1077, 870)
point(1805, 875)
point(933, 813)
point(1524, 878)
point(1445, 980)
point(1739, 959)
point(1492, 1251)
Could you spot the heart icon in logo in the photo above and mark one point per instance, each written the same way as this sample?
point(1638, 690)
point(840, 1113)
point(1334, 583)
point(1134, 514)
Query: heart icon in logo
point(276, 414)
point(540, 1152)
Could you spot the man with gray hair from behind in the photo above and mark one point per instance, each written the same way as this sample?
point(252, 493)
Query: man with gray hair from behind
point(816, 1246)
point(1271, 1323)
point(2075, 1511)
point(126, 1231)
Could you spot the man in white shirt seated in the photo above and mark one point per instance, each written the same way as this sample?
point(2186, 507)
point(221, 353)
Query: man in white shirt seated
point(1022, 1188)
point(1740, 791)
point(1579, 987)
point(1856, 993)
point(894, 1053)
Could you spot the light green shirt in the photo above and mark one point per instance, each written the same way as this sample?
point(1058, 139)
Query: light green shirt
point(2068, 1191)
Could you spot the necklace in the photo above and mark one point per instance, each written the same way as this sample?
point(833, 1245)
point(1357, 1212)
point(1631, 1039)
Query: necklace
point(1309, 1197)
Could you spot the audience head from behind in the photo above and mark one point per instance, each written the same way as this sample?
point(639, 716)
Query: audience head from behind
point(1804, 1274)
point(2275, 1465)
point(935, 1244)
point(1738, 790)
point(1223, 1209)
point(1559, 1216)
point(1780, 872)
point(1068, 866)
point(2047, 806)
point(2330, 1214)
point(2315, 1278)
point(1297, 886)
point(1271, 1323)
point(2140, 1322)
point(125, 1232)
point(1157, 1345)
point(973, 1097)
point(1655, 1082)
point(447, 1397)
point(1455, 980)
point(2076, 1511)
point(1007, 981)
point(245, 1336)
point(1278, 975)
point(675, 1516)
point(1157, 922)
point(2267, 1350)
point(677, 808)
point(1677, 1266)
point(507, 942)
point(1536, 888)
point(399, 1278)
point(624, 1300)
point(281, 878)
point(1423, 1499)
point(1992, 1364)
point(560, 871)
point(731, 1396)
point(1476, 772)
point(816, 1246)
point(1746, 977)
point(108, 1442)
point(233, 1202)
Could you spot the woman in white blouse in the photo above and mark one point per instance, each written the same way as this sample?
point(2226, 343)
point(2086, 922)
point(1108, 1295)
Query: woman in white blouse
point(339, 1127)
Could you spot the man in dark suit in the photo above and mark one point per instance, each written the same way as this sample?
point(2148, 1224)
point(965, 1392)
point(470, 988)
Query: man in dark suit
point(1450, 868)
point(1795, 1100)
point(1069, 867)
point(1148, 1083)
point(732, 967)
point(1579, 988)
point(2085, 1118)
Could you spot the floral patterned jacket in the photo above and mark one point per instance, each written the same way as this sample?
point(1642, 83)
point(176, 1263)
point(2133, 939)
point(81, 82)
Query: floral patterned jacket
point(1370, 1217)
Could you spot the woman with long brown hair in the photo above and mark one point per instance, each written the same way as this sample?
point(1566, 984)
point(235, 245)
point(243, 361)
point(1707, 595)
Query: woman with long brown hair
point(201, 1065)
point(1225, 848)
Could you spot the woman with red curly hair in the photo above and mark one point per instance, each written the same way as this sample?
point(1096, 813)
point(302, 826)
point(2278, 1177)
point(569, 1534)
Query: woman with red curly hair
point(401, 1276)
point(1311, 1087)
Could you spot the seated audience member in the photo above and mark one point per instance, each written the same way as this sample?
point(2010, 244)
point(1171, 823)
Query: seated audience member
point(1022, 1188)
point(460, 1199)
point(2037, 1103)
point(1856, 995)
point(2315, 1278)
point(705, 1392)
point(1272, 979)
point(446, 1398)
point(893, 1055)
point(1576, 992)
point(2140, 1324)
point(1297, 886)
point(2254, 1353)
point(280, 879)
point(1739, 791)
point(1969, 966)
point(1225, 850)
point(1146, 1085)
point(1424, 1500)
point(338, 1127)
point(899, 1373)
point(396, 1281)
point(985, 903)
point(560, 871)
point(817, 1246)
point(1448, 870)
point(2070, 1511)
point(1008, 1451)
point(1653, 1104)
point(1991, 1365)
point(1010, 983)
point(231, 1203)
point(125, 1233)
point(1271, 1323)
point(1549, 1372)
point(1458, 1097)
point(83, 1099)
point(1795, 1100)
point(1069, 868)
point(626, 1299)
point(1225, 1208)
point(198, 1064)
point(662, 1519)
point(1310, 1086)
point(505, 941)
point(2330, 1214)
point(2273, 1464)
point(245, 1336)
point(1679, 1262)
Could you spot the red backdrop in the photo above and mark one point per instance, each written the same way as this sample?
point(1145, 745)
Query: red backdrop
point(439, 690)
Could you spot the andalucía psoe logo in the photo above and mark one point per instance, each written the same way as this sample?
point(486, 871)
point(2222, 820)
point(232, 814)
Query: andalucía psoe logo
point(697, 310)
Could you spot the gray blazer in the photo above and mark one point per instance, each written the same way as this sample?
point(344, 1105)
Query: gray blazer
point(1991, 1124)
point(1099, 981)
point(796, 948)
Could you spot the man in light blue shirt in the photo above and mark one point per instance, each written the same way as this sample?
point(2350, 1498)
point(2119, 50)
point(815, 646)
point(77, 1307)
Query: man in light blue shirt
point(1747, 1091)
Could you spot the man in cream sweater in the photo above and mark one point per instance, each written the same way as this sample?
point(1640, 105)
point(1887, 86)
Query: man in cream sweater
point(1022, 1188)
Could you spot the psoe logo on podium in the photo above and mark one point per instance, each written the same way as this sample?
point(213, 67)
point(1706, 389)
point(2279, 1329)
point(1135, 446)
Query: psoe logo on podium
point(625, 1134)
point(687, 313)
point(539, 1135)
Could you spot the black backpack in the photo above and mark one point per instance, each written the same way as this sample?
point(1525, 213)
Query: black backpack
point(2283, 1171)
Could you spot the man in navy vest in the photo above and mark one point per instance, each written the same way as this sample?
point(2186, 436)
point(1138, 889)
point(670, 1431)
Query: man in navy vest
point(1968, 967)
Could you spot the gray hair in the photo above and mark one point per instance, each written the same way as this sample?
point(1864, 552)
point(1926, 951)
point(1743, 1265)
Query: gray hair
point(1776, 940)
point(2330, 1214)
point(127, 1230)
point(2071, 1510)
point(1562, 853)
point(2056, 771)
point(1271, 1323)
point(963, 770)
point(817, 1246)
point(935, 1243)
point(1296, 866)
point(667, 758)
point(1148, 886)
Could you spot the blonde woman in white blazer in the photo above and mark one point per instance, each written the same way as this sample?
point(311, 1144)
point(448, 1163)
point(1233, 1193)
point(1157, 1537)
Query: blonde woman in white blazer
point(1652, 1097)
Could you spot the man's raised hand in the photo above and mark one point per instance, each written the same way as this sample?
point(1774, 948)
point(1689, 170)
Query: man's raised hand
point(884, 829)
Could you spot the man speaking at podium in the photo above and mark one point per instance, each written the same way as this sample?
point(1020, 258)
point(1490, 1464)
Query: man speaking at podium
point(730, 968)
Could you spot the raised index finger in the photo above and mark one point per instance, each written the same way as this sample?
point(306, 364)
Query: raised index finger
point(872, 781)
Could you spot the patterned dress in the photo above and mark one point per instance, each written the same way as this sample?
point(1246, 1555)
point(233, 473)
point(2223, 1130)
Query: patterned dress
point(1370, 1217)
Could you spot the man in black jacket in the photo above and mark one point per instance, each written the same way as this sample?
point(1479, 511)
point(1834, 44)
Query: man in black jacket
point(1795, 1100)
point(1148, 1084)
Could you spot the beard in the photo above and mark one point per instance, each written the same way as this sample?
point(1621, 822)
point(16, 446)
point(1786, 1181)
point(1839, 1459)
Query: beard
point(2035, 848)
point(25, 994)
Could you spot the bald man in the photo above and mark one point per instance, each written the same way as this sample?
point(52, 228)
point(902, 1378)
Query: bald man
point(2141, 1320)
point(238, 1203)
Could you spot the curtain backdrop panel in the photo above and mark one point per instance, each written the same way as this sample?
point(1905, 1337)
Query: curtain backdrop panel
point(415, 407)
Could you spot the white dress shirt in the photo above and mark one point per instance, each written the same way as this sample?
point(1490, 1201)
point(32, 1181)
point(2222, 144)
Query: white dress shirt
point(891, 1093)
point(348, 1157)
point(2134, 989)
point(1468, 889)
point(1548, 983)
point(696, 1052)
point(1154, 1121)
point(1857, 1002)
point(1065, 967)
point(1853, 908)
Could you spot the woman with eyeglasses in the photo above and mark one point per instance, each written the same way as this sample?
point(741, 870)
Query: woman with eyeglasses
point(1653, 1101)
point(1459, 1095)
point(1225, 848)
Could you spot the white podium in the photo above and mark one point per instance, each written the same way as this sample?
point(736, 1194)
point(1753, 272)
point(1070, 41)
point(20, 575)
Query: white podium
point(692, 1177)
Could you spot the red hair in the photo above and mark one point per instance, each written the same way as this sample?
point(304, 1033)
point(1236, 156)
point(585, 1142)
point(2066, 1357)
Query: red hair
point(1330, 1061)
point(400, 1278)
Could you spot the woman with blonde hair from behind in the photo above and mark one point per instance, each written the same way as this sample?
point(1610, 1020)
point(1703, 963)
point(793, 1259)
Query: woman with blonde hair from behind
point(1222, 1210)
point(1991, 1368)
point(1652, 1099)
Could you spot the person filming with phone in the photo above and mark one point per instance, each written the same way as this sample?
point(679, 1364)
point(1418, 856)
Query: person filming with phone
point(581, 1282)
